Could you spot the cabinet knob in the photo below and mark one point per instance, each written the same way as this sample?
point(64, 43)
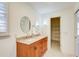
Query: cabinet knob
point(35, 48)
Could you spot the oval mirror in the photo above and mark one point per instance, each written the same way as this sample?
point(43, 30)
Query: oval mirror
point(25, 24)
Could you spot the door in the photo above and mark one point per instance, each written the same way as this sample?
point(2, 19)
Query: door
point(77, 39)
point(23, 50)
point(55, 32)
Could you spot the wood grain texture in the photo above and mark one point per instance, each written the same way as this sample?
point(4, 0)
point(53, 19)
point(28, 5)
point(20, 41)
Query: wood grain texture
point(36, 49)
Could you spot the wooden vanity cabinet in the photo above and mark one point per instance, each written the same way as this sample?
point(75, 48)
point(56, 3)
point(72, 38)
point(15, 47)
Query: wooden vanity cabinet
point(22, 50)
point(36, 49)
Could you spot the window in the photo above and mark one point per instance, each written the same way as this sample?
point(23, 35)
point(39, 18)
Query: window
point(3, 18)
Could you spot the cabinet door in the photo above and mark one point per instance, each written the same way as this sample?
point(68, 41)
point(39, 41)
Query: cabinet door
point(44, 45)
point(39, 49)
point(18, 49)
point(22, 50)
point(35, 49)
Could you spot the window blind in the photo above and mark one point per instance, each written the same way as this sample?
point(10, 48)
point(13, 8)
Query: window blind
point(3, 18)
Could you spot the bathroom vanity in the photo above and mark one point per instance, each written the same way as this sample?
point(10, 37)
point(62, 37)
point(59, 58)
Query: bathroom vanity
point(34, 45)
point(31, 47)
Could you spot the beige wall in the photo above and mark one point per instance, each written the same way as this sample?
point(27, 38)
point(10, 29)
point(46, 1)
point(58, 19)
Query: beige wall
point(67, 40)
point(16, 11)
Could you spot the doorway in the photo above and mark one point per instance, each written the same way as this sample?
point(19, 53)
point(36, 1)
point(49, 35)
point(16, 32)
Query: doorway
point(55, 33)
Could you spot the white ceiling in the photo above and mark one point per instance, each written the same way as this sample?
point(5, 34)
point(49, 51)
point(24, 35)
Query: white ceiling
point(45, 7)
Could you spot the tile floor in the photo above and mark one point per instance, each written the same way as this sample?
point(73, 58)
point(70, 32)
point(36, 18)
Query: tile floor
point(55, 51)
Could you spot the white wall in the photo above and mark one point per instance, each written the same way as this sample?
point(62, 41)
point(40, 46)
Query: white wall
point(16, 11)
point(67, 40)
point(20, 10)
point(76, 6)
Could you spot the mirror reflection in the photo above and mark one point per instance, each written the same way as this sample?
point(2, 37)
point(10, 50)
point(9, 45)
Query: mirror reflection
point(25, 24)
